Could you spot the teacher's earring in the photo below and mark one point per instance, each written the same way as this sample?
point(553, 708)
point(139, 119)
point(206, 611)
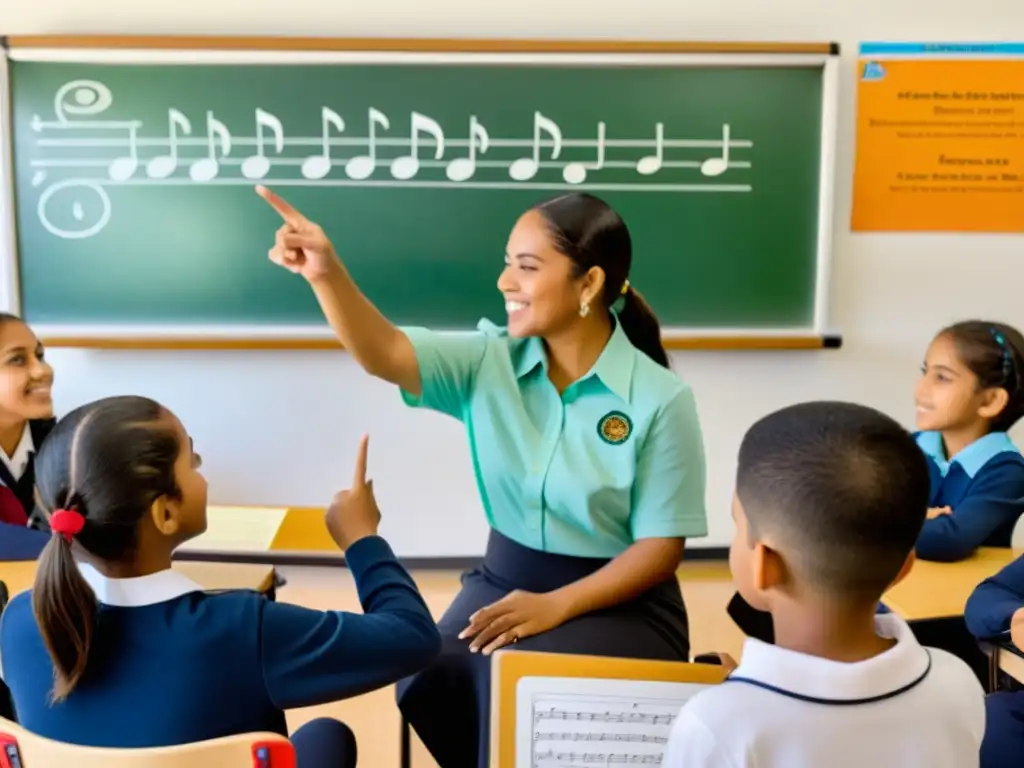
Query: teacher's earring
point(584, 308)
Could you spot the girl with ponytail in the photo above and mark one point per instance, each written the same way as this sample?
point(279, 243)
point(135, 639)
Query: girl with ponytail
point(115, 648)
point(587, 450)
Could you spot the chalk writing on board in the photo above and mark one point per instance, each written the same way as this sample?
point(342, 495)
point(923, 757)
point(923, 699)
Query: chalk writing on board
point(87, 154)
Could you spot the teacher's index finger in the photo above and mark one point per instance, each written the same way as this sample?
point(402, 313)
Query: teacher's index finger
point(282, 206)
point(359, 478)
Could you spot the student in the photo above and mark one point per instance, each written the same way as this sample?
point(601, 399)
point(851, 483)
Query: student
point(587, 449)
point(970, 392)
point(26, 416)
point(969, 395)
point(995, 611)
point(120, 650)
point(830, 498)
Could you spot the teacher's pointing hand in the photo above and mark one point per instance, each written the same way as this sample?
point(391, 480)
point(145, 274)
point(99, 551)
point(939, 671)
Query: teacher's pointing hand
point(300, 245)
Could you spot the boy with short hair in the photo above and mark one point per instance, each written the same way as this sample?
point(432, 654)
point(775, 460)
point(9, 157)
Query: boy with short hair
point(830, 498)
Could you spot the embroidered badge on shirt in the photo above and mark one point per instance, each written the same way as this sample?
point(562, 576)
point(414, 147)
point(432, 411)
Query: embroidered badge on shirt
point(615, 428)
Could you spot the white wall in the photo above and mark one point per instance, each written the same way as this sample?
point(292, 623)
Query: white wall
point(890, 292)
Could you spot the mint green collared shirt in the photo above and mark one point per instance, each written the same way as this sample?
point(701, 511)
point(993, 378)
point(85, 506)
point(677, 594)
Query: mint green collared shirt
point(617, 457)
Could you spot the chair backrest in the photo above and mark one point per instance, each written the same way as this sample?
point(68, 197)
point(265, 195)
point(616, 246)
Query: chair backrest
point(250, 750)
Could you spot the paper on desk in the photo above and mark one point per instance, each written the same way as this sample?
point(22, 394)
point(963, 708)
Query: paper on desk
point(594, 723)
point(238, 529)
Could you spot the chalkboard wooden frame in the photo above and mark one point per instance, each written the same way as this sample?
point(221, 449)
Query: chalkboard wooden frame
point(167, 49)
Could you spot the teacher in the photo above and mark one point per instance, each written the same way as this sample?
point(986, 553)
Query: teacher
point(587, 452)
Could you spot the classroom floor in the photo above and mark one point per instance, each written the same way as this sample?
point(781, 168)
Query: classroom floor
point(374, 717)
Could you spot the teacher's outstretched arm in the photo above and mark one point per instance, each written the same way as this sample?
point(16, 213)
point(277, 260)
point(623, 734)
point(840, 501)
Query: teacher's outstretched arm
point(373, 341)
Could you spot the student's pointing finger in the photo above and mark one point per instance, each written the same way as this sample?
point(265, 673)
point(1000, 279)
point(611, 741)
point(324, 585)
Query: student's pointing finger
point(359, 479)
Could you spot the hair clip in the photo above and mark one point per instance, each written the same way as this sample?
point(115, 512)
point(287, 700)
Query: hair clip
point(625, 287)
point(67, 522)
point(1008, 362)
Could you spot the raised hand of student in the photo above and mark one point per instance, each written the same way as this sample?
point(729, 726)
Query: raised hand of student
point(300, 246)
point(516, 616)
point(353, 514)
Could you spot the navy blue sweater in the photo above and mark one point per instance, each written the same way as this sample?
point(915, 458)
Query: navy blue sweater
point(994, 601)
point(983, 485)
point(171, 664)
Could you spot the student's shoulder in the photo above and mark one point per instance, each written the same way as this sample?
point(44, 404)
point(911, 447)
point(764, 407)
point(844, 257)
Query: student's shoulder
point(717, 707)
point(229, 602)
point(951, 688)
point(952, 674)
point(17, 619)
point(720, 717)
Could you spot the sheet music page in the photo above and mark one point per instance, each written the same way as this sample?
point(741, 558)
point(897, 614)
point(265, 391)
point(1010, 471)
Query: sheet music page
point(571, 722)
point(238, 529)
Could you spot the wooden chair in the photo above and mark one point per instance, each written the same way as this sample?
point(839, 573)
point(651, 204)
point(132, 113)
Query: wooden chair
point(250, 750)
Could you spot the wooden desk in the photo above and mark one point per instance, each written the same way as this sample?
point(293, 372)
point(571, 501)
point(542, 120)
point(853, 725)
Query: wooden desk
point(940, 590)
point(211, 576)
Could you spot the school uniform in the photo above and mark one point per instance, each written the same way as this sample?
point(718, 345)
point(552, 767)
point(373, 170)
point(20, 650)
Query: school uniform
point(908, 707)
point(171, 664)
point(568, 482)
point(988, 613)
point(17, 473)
point(983, 485)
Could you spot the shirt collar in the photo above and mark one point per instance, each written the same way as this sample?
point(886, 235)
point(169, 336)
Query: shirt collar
point(973, 457)
point(18, 461)
point(614, 366)
point(139, 591)
point(816, 678)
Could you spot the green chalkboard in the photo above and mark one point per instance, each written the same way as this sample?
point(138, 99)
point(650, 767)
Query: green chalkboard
point(135, 203)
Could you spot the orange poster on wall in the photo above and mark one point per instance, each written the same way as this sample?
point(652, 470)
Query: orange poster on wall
point(940, 138)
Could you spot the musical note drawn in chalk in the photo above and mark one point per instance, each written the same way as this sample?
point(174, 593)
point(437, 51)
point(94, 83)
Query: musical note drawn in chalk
point(406, 167)
point(257, 166)
point(576, 173)
point(318, 166)
point(78, 211)
point(463, 168)
point(651, 164)
point(525, 168)
point(87, 97)
point(122, 168)
point(716, 166)
point(162, 166)
point(207, 168)
point(362, 166)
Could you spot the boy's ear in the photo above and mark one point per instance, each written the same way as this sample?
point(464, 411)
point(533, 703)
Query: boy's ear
point(165, 516)
point(907, 565)
point(767, 570)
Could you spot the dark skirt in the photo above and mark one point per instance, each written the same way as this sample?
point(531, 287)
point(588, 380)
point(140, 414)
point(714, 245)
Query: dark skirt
point(448, 704)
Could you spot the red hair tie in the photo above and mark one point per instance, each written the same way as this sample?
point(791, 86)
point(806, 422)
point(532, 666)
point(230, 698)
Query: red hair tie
point(67, 522)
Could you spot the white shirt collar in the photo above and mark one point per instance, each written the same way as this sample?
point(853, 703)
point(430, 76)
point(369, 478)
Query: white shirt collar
point(138, 591)
point(18, 461)
point(812, 677)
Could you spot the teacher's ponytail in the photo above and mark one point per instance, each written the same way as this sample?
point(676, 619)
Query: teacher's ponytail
point(641, 325)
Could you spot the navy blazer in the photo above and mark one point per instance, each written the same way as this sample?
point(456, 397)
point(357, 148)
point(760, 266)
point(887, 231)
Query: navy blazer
point(983, 485)
point(171, 664)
